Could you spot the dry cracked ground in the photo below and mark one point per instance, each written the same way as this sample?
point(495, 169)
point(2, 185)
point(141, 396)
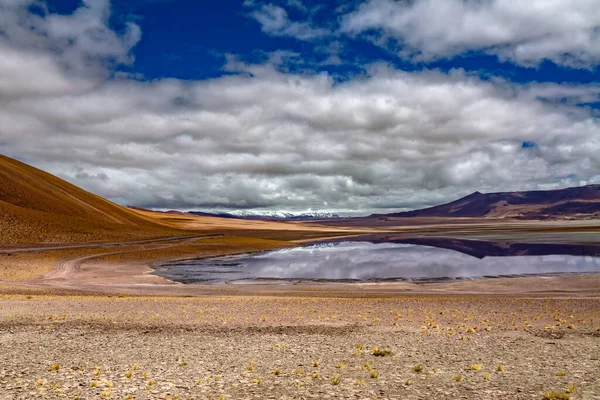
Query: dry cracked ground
point(93, 347)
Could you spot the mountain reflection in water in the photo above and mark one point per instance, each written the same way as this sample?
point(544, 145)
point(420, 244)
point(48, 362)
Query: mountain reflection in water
point(385, 258)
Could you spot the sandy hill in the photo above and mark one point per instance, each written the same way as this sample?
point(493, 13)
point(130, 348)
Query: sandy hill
point(37, 207)
point(570, 203)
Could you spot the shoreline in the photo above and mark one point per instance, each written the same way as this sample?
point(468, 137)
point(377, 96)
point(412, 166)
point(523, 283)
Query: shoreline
point(130, 271)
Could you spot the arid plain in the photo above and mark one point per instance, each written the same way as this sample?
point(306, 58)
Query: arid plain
point(82, 317)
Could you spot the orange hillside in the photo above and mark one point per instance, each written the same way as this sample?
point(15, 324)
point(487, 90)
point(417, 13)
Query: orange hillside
point(37, 207)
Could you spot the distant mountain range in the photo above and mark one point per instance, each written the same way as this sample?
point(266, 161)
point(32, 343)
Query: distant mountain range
point(572, 203)
point(268, 215)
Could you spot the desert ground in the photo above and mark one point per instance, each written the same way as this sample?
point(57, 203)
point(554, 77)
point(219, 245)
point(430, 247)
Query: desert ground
point(91, 322)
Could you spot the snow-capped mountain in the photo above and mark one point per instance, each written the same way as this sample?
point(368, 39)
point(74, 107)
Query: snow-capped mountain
point(269, 215)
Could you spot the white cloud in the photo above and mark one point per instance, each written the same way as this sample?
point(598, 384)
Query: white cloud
point(566, 32)
point(266, 138)
point(274, 20)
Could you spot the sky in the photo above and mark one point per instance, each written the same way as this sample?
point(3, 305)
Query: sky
point(353, 107)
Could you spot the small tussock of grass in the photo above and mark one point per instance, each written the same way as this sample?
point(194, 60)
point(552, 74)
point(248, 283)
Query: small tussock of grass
point(458, 378)
point(500, 368)
point(555, 396)
point(561, 373)
point(374, 375)
point(54, 367)
point(335, 380)
point(475, 367)
point(417, 368)
point(570, 389)
point(381, 352)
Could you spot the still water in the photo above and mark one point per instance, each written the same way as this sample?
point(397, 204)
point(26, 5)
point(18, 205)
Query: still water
point(360, 261)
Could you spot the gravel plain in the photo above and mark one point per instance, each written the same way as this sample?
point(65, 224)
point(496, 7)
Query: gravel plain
point(88, 347)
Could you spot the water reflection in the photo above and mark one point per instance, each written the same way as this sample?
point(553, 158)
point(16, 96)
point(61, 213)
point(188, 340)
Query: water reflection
point(360, 261)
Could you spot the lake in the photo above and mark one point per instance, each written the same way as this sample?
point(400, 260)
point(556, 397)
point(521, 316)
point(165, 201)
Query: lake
point(381, 261)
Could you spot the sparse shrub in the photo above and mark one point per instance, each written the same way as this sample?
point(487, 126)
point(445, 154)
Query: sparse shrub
point(316, 363)
point(276, 372)
point(374, 375)
point(570, 389)
point(500, 368)
point(417, 368)
point(379, 352)
point(458, 378)
point(561, 373)
point(335, 380)
point(475, 367)
point(555, 396)
point(54, 368)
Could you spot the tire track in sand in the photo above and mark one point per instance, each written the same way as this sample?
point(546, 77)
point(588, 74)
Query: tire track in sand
point(69, 267)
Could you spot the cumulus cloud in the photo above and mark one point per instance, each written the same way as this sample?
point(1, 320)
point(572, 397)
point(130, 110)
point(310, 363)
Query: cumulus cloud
point(265, 138)
point(566, 32)
point(274, 20)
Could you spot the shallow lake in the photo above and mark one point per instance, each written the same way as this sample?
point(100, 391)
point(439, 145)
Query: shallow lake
point(361, 261)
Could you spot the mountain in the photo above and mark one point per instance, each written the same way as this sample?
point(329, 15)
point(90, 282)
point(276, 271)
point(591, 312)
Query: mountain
point(269, 215)
point(37, 207)
point(572, 203)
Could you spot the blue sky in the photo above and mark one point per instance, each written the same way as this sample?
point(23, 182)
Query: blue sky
point(188, 39)
point(361, 106)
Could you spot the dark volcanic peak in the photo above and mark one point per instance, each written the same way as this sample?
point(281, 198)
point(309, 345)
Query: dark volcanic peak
point(576, 202)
